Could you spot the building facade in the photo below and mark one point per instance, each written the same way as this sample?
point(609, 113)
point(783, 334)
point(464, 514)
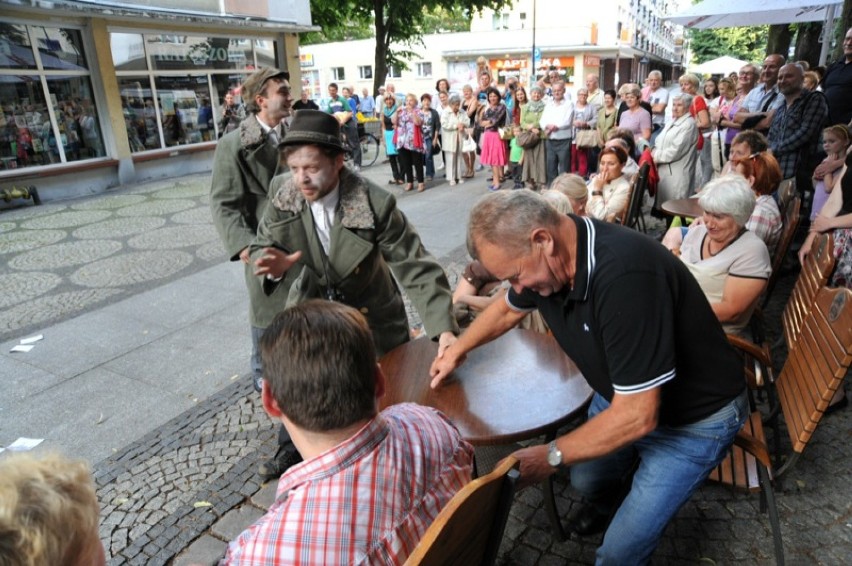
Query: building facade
point(617, 40)
point(95, 95)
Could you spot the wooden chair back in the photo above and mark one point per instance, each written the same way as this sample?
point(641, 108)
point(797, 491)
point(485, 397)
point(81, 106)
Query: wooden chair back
point(791, 224)
point(815, 366)
point(468, 531)
point(786, 190)
point(816, 270)
point(631, 217)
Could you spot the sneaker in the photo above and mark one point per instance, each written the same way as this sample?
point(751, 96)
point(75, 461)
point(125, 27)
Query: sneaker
point(452, 183)
point(356, 168)
point(479, 167)
point(461, 181)
point(257, 381)
point(440, 167)
point(280, 463)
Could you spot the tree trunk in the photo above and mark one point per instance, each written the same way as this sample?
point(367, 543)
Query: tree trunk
point(780, 37)
point(807, 43)
point(380, 69)
point(843, 24)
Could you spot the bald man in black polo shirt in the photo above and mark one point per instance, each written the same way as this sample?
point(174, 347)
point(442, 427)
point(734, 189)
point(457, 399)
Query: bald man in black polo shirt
point(669, 390)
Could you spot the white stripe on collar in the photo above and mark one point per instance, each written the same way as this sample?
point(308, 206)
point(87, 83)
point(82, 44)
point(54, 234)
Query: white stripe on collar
point(590, 253)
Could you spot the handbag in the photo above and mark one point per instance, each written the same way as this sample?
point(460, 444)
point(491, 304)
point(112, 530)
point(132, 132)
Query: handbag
point(436, 147)
point(506, 133)
point(468, 145)
point(587, 138)
point(528, 139)
point(717, 151)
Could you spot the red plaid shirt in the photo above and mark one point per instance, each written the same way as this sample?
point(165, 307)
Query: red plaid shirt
point(366, 501)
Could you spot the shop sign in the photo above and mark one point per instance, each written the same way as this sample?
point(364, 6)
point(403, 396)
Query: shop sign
point(509, 64)
point(551, 62)
point(306, 59)
point(591, 61)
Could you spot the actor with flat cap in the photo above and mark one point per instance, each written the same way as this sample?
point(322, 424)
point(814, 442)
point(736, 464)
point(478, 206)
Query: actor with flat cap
point(330, 233)
point(244, 164)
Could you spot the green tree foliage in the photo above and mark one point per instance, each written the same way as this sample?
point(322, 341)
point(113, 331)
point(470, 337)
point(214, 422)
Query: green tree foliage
point(746, 43)
point(397, 25)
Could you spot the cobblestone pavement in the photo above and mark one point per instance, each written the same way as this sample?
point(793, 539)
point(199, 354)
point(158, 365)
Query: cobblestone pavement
point(178, 493)
point(63, 259)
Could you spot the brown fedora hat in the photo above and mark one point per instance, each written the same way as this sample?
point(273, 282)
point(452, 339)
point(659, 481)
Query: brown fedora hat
point(313, 127)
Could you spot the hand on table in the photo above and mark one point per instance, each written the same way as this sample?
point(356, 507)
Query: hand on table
point(275, 262)
point(445, 340)
point(534, 466)
point(444, 363)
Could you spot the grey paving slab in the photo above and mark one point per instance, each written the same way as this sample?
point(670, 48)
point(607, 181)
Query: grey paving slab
point(87, 341)
point(265, 496)
point(20, 379)
point(235, 521)
point(90, 415)
point(207, 550)
point(194, 363)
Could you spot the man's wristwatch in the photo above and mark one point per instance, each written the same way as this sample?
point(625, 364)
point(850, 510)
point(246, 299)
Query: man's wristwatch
point(554, 456)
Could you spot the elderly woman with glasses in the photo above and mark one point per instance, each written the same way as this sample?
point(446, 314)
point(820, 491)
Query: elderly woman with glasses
point(730, 263)
point(675, 152)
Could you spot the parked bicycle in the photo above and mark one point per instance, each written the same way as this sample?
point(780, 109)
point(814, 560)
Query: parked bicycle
point(369, 147)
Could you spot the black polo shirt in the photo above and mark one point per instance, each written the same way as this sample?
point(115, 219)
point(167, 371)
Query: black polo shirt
point(837, 86)
point(636, 319)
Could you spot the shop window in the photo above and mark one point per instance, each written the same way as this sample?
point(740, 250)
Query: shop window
point(338, 74)
point(186, 112)
point(365, 71)
point(128, 51)
point(424, 69)
point(140, 113)
point(46, 117)
point(15, 49)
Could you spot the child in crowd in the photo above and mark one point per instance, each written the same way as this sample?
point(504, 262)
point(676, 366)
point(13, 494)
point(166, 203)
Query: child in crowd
point(835, 142)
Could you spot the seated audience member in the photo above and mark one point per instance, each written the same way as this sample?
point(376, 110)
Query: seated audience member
point(617, 139)
point(48, 512)
point(675, 152)
point(609, 189)
point(730, 263)
point(371, 483)
point(744, 145)
point(573, 187)
point(763, 174)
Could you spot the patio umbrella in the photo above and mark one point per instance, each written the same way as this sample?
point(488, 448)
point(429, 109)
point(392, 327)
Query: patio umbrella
point(735, 13)
point(719, 66)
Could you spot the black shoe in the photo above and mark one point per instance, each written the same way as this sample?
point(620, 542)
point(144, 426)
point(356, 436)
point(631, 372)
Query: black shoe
point(585, 520)
point(257, 381)
point(280, 463)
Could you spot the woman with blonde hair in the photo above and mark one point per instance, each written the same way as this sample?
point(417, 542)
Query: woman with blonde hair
point(573, 187)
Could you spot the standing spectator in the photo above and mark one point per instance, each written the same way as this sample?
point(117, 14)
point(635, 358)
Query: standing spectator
point(698, 110)
point(675, 153)
point(606, 115)
point(408, 139)
point(837, 85)
point(835, 144)
point(711, 90)
point(471, 106)
point(341, 108)
point(388, 128)
point(746, 79)
point(493, 118)
point(609, 189)
point(232, 115)
point(454, 125)
point(368, 104)
point(352, 100)
point(442, 105)
point(796, 126)
point(658, 97)
point(755, 112)
point(596, 95)
point(585, 118)
point(636, 118)
point(729, 103)
point(557, 121)
point(304, 102)
point(516, 152)
point(534, 172)
point(431, 130)
point(443, 85)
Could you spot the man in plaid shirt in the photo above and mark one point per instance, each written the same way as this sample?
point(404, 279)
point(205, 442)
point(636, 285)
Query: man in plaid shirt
point(796, 124)
point(371, 483)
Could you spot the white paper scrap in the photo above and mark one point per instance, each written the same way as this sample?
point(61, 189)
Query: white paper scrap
point(32, 339)
point(22, 348)
point(23, 444)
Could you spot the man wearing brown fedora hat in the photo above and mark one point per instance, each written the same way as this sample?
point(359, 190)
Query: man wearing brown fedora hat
point(330, 233)
point(245, 161)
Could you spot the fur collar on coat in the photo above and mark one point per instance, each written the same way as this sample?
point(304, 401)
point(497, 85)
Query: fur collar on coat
point(354, 206)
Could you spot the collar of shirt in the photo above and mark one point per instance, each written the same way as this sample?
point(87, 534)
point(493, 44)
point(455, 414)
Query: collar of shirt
point(323, 213)
point(340, 457)
point(584, 263)
point(267, 128)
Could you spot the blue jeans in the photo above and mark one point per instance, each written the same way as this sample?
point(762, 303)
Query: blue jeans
point(673, 463)
point(429, 159)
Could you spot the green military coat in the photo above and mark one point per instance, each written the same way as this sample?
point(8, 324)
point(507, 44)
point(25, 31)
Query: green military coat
point(371, 243)
point(243, 167)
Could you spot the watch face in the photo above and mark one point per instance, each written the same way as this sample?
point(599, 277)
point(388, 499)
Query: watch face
point(554, 456)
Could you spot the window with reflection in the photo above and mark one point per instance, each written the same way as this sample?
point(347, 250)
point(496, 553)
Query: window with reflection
point(186, 110)
point(140, 113)
point(47, 110)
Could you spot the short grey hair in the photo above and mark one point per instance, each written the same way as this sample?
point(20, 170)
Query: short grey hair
point(507, 219)
point(685, 98)
point(655, 74)
point(558, 201)
point(454, 98)
point(573, 186)
point(730, 194)
point(536, 88)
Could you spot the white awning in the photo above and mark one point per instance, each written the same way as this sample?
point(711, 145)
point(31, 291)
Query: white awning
point(719, 66)
point(736, 13)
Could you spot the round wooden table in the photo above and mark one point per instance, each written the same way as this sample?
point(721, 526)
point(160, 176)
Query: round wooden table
point(687, 207)
point(517, 387)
